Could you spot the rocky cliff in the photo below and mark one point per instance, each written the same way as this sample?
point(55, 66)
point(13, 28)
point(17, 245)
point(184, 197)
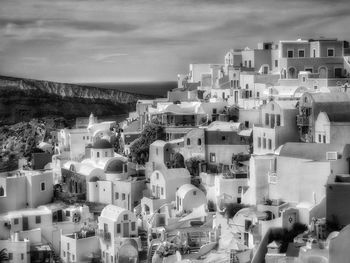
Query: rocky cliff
point(24, 99)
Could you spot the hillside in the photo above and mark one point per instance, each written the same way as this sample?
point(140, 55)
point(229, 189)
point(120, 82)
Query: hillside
point(24, 99)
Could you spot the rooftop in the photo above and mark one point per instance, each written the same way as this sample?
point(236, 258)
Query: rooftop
point(225, 126)
point(310, 151)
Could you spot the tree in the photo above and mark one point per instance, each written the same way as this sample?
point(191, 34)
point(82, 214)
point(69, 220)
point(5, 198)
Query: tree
point(192, 164)
point(3, 255)
point(139, 148)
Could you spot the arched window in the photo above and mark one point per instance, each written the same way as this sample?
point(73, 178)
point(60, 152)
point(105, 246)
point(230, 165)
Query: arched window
point(2, 191)
point(98, 155)
point(246, 86)
point(188, 141)
point(199, 141)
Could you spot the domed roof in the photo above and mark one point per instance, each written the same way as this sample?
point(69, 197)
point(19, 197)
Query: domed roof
point(115, 166)
point(102, 144)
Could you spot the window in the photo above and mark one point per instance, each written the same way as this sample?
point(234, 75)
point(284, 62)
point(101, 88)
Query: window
point(87, 137)
point(264, 143)
point(67, 213)
point(250, 94)
point(330, 52)
point(309, 69)
point(246, 124)
point(223, 138)
point(194, 192)
point(42, 186)
point(67, 246)
point(38, 219)
point(278, 120)
point(270, 144)
point(73, 257)
point(245, 63)
point(153, 189)
point(276, 63)
point(2, 191)
point(214, 111)
point(16, 221)
point(212, 157)
point(250, 63)
point(83, 137)
point(162, 190)
point(319, 138)
point(314, 53)
point(240, 188)
point(103, 254)
point(188, 141)
point(10, 256)
point(258, 94)
point(118, 228)
point(267, 119)
point(116, 195)
point(106, 154)
point(157, 175)
point(304, 79)
point(199, 142)
point(125, 217)
point(133, 226)
point(22, 256)
point(290, 53)
point(123, 196)
point(98, 155)
point(259, 142)
point(324, 138)
point(301, 53)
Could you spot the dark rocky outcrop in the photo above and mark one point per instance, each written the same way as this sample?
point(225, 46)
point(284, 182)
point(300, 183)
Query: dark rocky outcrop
point(24, 99)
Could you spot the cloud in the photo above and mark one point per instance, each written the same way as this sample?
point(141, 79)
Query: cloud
point(155, 38)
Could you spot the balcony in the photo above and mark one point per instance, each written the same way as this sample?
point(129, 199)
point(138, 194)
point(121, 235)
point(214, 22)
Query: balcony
point(272, 177)
point(303, 120)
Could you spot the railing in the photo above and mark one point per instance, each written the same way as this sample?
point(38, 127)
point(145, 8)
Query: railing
point(272, 177)
point(303, 120)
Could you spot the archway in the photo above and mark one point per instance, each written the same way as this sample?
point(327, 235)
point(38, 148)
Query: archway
point(322, 71)
point(292, 73)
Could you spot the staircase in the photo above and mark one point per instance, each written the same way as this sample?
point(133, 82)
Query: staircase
point(151, 252)
point(55, 258)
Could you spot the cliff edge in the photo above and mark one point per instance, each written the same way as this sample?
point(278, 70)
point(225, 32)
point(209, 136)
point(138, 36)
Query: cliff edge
point(24, 99)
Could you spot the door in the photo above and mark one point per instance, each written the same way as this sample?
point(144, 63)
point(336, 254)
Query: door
point(338, 73)
point(126, 229)
point(25, 223)
point(59, 216)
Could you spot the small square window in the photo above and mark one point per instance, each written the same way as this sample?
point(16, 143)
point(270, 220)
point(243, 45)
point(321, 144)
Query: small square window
point(194, 192)
point(301, 53)
point(38, 219)
point(10, 256)
point(330, 52)
point(68, 246)
point(290, 53)
point(125, 217)
point(16, 221)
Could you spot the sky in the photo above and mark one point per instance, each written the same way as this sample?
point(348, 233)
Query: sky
point(149, 40)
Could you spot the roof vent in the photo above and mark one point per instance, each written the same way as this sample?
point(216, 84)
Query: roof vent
point(331, 156)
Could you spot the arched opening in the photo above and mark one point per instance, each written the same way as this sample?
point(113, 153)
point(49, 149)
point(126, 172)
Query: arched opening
point(322, 71)
point(2, 191)
point(98, 155)
point(199, 141)
point(188, 141)
point(292, 73)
